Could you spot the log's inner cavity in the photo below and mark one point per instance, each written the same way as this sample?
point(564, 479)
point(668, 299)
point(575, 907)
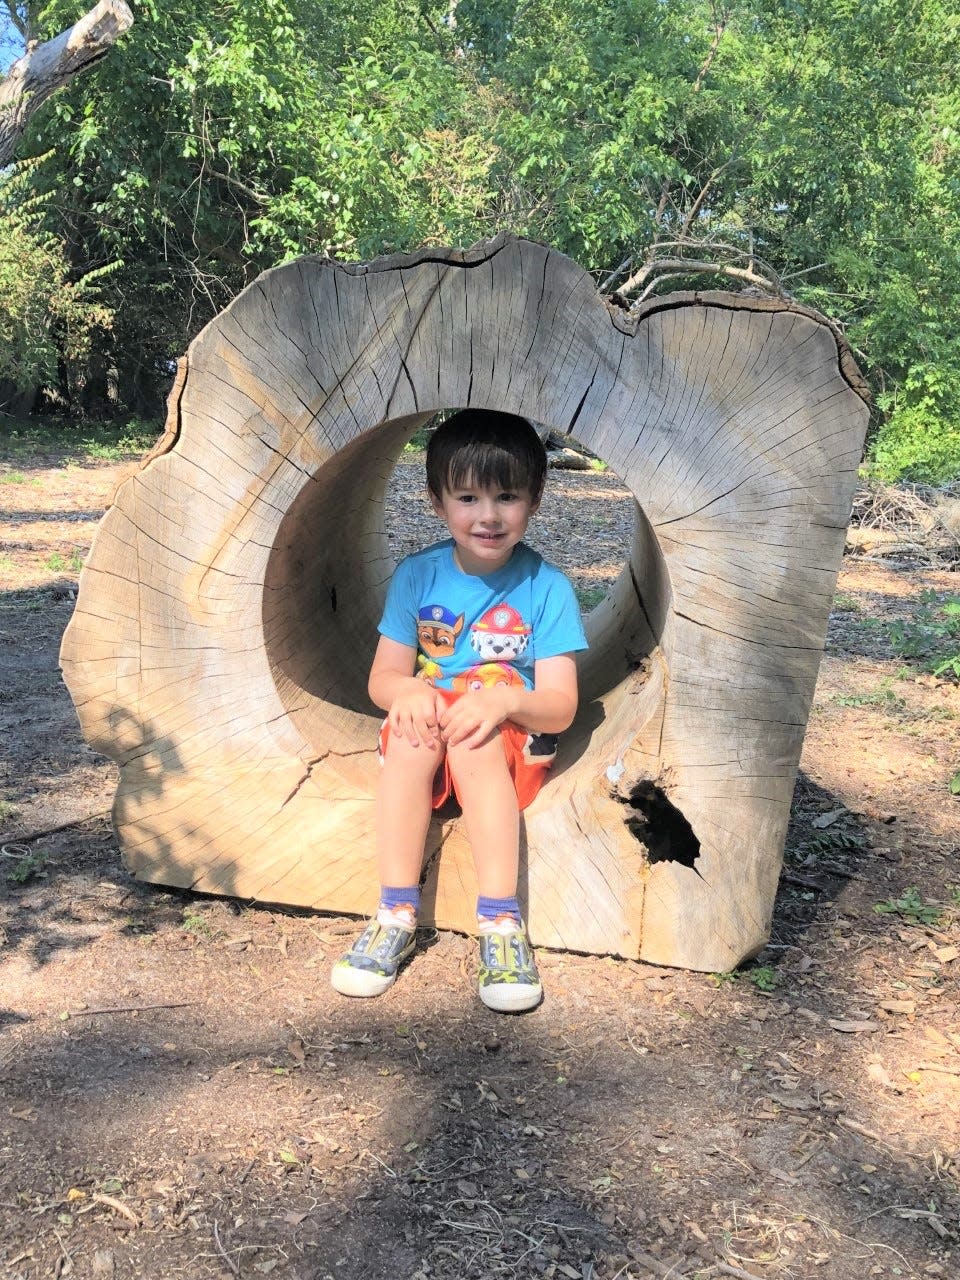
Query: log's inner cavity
point(660, 826)
point(326, 582)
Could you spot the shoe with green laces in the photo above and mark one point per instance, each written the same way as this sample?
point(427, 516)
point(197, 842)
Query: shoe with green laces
point(370, 967)
point(509, 982)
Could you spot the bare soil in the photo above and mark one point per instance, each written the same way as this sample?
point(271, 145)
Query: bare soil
point(183, 1095)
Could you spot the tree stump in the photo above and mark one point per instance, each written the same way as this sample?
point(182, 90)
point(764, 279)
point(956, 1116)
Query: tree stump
point(227, 611)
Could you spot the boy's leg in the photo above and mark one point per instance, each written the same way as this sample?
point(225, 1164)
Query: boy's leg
point(508, 975)
point(491, 813)
point(403, 806)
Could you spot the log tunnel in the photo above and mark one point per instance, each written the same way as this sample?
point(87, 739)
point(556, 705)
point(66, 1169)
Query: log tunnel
point(227, 612)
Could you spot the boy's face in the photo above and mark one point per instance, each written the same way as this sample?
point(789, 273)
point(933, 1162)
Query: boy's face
point(485, 524)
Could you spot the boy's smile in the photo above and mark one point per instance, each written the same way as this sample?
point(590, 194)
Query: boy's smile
point(485, 524)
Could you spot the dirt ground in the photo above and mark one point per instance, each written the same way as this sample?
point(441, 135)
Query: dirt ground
point(183, 1095)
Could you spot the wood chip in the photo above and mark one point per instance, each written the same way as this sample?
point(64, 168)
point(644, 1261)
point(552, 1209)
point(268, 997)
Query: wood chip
point(853, 1026)
point(898, 1006)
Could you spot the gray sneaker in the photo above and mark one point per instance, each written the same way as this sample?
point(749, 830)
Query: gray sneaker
point(508, 979)
point(370, 967)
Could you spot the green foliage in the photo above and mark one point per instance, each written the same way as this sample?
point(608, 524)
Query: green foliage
point(764, 977)
point(46, 314)
point(911, 907)
point(589, 597)
point(195, 922)
point(916, 443)
point(47, 440)
point(932, 636)
point(27, 866)
point(820, 137)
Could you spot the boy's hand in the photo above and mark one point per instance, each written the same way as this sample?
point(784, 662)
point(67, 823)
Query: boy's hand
point(413, 714)
point(474, 716)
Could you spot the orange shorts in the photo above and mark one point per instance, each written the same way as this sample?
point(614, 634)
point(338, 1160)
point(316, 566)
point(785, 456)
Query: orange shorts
point(529, 756)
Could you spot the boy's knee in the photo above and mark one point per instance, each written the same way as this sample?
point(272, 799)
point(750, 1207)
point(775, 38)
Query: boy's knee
point(488, 756)
point(403, 756)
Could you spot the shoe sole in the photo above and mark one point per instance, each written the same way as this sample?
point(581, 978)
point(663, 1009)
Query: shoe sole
point(511, 997)
point(360, 983)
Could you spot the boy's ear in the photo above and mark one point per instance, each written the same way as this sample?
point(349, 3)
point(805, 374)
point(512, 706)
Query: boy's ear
point(435, 502)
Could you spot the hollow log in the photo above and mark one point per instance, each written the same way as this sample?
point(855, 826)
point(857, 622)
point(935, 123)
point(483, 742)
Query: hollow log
point(227, 611)
point(48, 67)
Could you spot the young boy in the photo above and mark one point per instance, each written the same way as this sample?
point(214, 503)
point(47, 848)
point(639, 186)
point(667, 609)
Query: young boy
point(492, 628)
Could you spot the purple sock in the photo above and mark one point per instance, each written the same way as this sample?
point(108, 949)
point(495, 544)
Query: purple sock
point(493, 908)
point(391, 898)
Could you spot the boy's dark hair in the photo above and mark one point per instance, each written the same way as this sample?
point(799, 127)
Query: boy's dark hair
point(488, 449)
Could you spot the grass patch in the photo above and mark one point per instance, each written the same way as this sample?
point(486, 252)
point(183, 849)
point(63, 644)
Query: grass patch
point(883, 696)
point(42, 440)
point(843, 603)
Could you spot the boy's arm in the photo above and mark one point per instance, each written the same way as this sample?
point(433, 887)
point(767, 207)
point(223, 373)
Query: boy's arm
point(411, 704)
point(547, 708)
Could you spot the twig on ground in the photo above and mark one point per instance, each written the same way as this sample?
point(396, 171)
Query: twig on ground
point(117, 1206)
point(63, 826)
point(222, 1251)
point(130, 1008)
point(727, 1269)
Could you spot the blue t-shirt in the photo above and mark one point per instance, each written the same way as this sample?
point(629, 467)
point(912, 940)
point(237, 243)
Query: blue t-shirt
point(474, 632)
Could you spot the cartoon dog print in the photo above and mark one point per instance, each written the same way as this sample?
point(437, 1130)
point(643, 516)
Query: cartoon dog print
point(501, 635)
point(486, 676)
point(437, 630)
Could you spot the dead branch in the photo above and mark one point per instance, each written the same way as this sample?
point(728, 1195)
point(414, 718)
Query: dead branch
point(659, 269)
point(48, 67)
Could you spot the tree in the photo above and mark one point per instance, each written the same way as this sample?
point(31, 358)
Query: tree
point(48, 67)
point(809, 147)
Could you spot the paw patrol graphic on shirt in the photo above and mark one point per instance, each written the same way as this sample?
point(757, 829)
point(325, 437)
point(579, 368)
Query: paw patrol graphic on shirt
point(437, 630)
point(486, 676)
point(501, 635)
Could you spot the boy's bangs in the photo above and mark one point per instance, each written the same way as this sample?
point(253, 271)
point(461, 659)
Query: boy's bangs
point(487, 467)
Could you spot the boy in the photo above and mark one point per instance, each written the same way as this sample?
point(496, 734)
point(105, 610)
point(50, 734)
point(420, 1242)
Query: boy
point(492, 628)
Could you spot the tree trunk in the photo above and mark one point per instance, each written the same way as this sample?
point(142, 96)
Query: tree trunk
point(48, 67)
point(228, 609)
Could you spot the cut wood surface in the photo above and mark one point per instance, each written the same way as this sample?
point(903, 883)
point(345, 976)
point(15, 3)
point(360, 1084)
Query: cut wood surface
point(45, 68)
point(227, 611)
